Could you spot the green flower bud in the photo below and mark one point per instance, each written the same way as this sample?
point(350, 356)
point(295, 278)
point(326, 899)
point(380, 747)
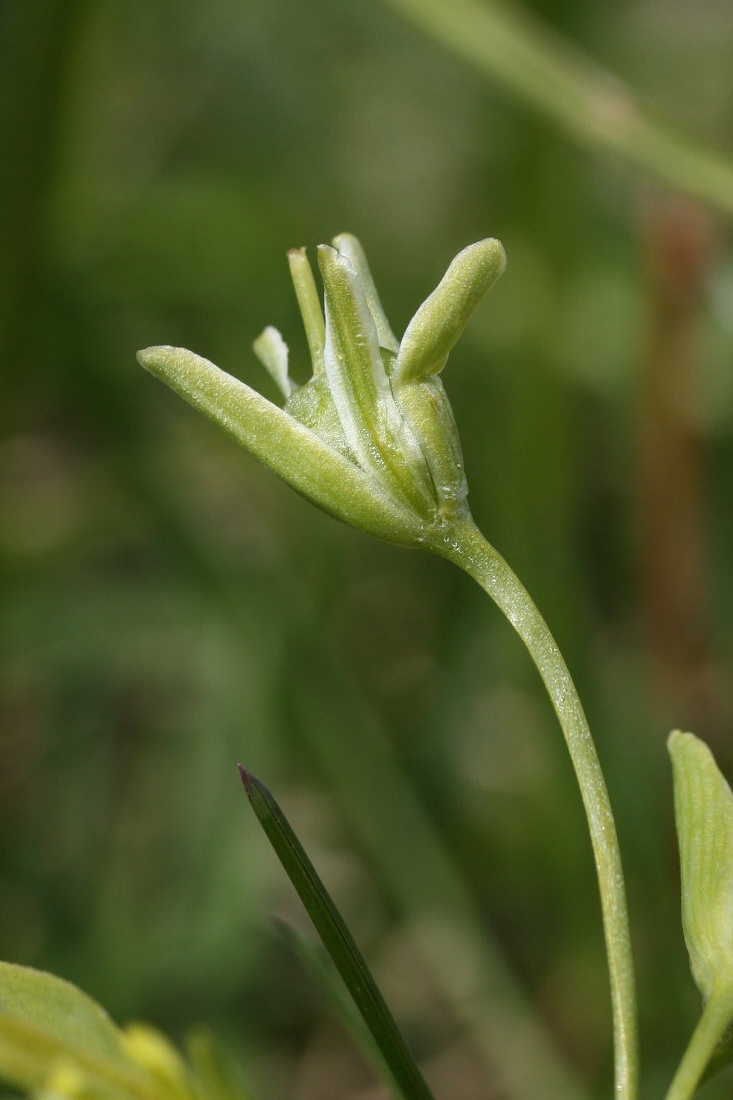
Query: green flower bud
point(374, 427)
point(704, 817)
point(440, 320)
point(423, 352)
point(371, 437)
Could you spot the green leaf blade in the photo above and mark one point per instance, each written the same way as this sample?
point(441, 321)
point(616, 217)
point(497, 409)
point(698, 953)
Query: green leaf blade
point(338, 941)
point(318, 964)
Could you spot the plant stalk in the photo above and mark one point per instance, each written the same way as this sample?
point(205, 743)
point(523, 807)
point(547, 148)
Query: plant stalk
point(558, 80)
point(715, 1019)
point(462, 543)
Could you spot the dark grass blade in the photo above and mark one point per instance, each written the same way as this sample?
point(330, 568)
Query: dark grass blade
point(317, 962)
point(338, 941)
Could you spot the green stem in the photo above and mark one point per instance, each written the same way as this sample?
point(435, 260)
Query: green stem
point(591, 105)
point(715, 1019)
point(462, 543)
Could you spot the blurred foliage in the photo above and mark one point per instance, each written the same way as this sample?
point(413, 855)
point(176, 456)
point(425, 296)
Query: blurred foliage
point(169, 608)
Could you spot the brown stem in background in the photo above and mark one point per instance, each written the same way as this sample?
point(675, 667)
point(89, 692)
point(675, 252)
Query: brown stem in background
point(676, 245)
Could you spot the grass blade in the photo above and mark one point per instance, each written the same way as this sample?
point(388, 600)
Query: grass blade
point(338, 941)
point(317, 963)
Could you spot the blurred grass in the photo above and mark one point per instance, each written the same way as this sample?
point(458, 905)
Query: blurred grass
point(168, 608)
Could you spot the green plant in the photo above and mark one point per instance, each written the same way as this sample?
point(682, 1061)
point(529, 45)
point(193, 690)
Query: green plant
point(371, 439)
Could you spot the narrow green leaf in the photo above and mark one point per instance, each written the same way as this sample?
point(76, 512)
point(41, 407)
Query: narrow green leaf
point(338, 941)
point(320, 967)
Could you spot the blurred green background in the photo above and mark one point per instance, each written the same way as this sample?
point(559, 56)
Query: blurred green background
point(169, 608)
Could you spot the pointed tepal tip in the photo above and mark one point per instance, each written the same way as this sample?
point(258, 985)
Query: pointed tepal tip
point(246, 778)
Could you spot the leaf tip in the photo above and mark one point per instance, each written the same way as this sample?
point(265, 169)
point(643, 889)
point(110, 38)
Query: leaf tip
point(246, 778)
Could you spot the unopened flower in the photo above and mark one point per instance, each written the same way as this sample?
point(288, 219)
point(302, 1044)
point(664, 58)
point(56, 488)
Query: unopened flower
point(370, 438)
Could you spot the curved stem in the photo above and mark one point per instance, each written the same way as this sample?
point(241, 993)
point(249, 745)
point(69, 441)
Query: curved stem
point(715, 1019)
point(462, 543)
point(558, 80)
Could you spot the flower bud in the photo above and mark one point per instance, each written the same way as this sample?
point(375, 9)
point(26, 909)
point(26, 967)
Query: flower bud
point(370, 438)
